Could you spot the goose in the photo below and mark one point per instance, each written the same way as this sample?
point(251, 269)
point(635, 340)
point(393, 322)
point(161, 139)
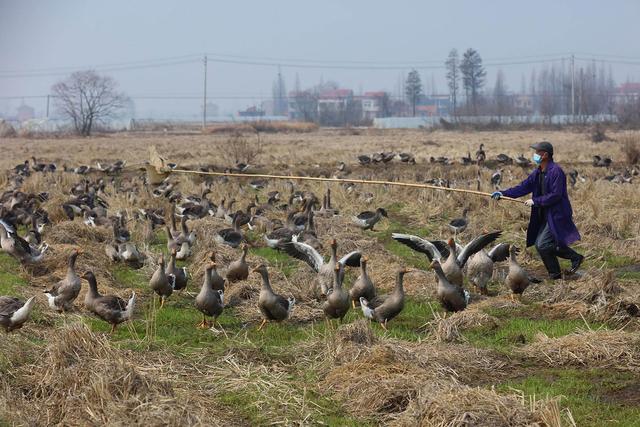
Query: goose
point(273, 307)
point(278, 237)
point(172, 243)
point(230, 236)
point(481, 156)
point(309, 255)
point(18, 248)
point(184, 252)
point(61, 296)
point(258, 184)
point(363, 286)
point(217, 281)
point(14, 313)
point(367, 220)
point(496, 179)
point(239, 270)
point(466, 160)
point(160, 283)
point(392, 305)
point(480, 268)
point(34, 235)
point(113, 252)
point(363, 159)
point(129, 253)
point(522, 161)
point(184, 235)
point(110, 308)
point(518, 280)
point(210, 301)
point(180, 275)
point(456, 255)
point(458, 225)
point(120, 234)
point(337, 304)
point(387, 156)
point(407, 158)
point(452, 297)
point(601, 162)
point(503, 158)
point(574, 177)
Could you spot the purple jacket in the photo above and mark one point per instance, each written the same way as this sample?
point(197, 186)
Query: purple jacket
point(555, 201)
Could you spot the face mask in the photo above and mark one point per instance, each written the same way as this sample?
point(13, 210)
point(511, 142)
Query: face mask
point(537, 158)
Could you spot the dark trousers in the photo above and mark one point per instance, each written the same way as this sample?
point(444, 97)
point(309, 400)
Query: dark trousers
point(549, 251)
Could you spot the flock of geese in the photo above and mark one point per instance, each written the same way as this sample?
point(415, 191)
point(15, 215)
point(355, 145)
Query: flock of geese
point(287, 225)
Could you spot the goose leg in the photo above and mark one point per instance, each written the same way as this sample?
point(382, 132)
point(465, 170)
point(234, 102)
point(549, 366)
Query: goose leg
point(384, 325)
point(353, 304)
point(161, 302)
point(113, 329)
point(203, 324)
point(264, 322)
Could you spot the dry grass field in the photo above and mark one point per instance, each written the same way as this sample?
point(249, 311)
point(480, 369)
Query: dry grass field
point(567, 354)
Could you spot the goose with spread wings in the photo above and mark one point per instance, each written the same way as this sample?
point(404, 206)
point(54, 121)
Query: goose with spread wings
point(324, 269)
point(19, 248)
point(450, 255)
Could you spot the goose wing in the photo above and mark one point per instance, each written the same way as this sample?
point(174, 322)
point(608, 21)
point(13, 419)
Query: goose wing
point(366, 215)
point(352, 259)
point(499, 252)
point(306, 253)
point(476, 245)
point(430, 249)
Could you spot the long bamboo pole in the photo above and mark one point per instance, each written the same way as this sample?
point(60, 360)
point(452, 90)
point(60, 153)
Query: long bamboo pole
point(341, 180)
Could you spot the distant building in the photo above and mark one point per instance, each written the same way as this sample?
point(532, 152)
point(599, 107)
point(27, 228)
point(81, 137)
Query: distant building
point(433, 105)
point(372, 105)
point(25, 113)
point(629, 88)
point(523, 104)
point(251, 112)
point(334, 100)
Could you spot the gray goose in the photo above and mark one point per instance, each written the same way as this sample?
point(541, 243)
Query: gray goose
point(160, 283)
point(14, 313)
point(518, 280)
point(392, 305)
point(180, 274)
point(209, 301)
point(230, 236)
point(311, 256)
point(480, 268)
point(273, 307)
point(363, 286)
point(217, 281)
point(61, 296)
point(367, 220)
point(110, 308)
point(337, 304)
point(456, 255)
point(19, 248)
point(458, 225)
point(452, 297)
point(239, 269)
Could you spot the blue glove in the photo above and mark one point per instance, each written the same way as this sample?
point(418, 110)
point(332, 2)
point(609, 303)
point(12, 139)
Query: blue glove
point(496, 195)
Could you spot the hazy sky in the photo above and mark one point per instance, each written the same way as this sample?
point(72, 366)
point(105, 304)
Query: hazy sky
point(40, 36)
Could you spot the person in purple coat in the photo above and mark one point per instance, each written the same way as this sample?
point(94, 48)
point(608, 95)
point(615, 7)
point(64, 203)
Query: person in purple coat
point(551, 228)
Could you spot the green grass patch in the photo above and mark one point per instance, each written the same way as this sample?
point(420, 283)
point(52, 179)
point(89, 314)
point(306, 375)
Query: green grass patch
point(514, 331)
point(10, 281)
point(595, 397)
point(129, 277)
point(277, 259)
point(411, 257)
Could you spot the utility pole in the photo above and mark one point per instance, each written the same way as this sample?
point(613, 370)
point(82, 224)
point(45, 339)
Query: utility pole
point(204, 96)
point(573, 92)
point(47, 106)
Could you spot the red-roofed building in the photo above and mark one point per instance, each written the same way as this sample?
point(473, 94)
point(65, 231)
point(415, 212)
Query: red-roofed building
point(629, 88)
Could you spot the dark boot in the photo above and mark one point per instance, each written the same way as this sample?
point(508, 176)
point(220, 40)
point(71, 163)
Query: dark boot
point(551, 264)
point(576, 259)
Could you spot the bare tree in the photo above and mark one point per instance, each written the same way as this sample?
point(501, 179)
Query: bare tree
point(453, 77)
point(413, 89)
point(501, 97)
point(473, 76)
point(279, 96)
point(87, 99)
